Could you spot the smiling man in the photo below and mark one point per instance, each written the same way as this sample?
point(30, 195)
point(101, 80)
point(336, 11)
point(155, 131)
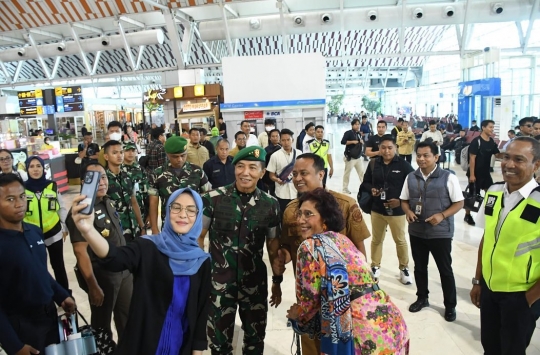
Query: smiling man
point(239, 218)
point(506, 284)
point(308, 173)
point(177, 174)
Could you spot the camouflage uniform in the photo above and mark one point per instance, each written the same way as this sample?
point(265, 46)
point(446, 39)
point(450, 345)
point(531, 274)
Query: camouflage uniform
point(163, 182)
point(120, 192)
point(140, 180)
point(239, 279)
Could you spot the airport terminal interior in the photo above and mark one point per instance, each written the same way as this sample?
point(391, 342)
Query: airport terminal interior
point(69, 67)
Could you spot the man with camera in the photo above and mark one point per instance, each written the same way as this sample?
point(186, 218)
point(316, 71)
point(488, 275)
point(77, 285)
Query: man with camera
point(353, 142)
point(385, 177)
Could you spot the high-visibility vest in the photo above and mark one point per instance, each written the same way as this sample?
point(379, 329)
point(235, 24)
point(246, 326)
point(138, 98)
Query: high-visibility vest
point(511, 258)
point(43, 212)
point(320, 148)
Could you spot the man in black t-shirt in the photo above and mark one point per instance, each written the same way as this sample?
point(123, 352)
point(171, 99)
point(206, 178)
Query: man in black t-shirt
point(372, 145)
point(88, 151)
point(222, 127)
point(480, 151)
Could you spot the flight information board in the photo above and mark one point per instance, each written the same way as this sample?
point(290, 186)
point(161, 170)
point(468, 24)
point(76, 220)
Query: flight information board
point(31, 102)
point(69, 99)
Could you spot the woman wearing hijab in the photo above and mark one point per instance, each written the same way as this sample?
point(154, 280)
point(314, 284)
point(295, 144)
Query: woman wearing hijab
point(171, 288)
point(45, 209)
point(337, 298)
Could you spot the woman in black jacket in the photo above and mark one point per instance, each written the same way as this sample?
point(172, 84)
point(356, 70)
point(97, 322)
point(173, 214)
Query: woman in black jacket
point(171, 287)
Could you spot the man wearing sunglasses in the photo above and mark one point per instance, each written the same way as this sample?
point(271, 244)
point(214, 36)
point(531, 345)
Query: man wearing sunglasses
point(526, 128)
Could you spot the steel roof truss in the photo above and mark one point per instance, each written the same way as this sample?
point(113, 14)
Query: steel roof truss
point(6, 74)
point(40, 58)
point(96, 63)
point(532, 19)
point(132, 21)
point(139, 57)
point(284, 36)
point(172, 30)
point(84, 26)
point(402, 27)
point(465, 35)
point(231, 11)
point(45, 33)
point(55, 67)
point(17, 71)
point(11, 39)
point(81, 50)
point(187, 41)
point(226, 24)
point(126, 45)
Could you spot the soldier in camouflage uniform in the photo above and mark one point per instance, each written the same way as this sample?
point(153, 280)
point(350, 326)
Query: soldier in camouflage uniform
point(239, 218)
point(121, 191)
point(138, 175)
point(177, 174)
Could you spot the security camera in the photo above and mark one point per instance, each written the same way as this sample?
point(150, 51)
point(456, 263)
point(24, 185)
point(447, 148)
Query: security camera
point(105, 40)
point(449, 11)
point(418, 13)
point(497, 8)
point(372, 15)
point(21, 52)
point(298, 21)
point(325, 18)
point(61, 46)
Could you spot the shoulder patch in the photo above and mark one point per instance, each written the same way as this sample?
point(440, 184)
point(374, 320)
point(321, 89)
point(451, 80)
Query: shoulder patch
point(356, 214)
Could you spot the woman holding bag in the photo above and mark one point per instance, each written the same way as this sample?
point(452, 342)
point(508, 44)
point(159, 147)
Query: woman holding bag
point(169, 306)
point(337, 298)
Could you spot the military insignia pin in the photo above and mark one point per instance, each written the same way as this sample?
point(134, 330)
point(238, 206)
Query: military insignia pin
point(256, 153)
point(105, 232)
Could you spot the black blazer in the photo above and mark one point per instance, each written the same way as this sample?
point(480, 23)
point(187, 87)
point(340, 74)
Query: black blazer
point(152, 295)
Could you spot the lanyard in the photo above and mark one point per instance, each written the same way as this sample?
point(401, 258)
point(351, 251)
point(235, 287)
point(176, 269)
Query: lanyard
point(426, 183)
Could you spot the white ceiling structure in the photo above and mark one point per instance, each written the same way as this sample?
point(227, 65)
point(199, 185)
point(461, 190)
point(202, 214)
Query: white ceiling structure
point(129, 43)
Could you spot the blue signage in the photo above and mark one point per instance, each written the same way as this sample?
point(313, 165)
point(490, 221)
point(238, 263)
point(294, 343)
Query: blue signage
point(270, 104)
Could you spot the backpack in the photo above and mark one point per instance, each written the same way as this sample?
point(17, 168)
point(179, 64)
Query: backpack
point(464, 156)
point(143, 161)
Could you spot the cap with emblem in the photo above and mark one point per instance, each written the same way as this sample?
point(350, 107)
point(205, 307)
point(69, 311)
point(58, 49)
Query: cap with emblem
point(253, 153)
point(176, 145)
point(129, 145)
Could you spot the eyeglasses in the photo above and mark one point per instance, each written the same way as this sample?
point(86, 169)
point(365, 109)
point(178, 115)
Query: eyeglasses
point(6, 159)
point(306, 214)
point(191, 211)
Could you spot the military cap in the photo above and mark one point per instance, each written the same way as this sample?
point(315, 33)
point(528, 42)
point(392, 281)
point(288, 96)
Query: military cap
point(176, 145)
point(253, 153)
point(129, 145)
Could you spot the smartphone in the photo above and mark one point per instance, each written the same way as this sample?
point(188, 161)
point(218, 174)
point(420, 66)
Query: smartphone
point(89, 189)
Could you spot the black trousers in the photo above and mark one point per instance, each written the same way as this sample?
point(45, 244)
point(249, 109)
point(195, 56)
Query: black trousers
point(441, 249)
point(56, 258)
point(37, 327)
point(507, 322)
point(117, 288)
point(407, 157)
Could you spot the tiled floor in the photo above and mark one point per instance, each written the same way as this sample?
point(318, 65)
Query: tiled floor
point(430, 333)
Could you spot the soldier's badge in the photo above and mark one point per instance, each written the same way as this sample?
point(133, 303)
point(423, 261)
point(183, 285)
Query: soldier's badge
point(256, 153)
point(105, 232)
point(356, 214)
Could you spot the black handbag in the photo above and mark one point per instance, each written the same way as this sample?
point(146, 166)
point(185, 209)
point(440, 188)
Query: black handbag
point(473, 199)
point(365, 197)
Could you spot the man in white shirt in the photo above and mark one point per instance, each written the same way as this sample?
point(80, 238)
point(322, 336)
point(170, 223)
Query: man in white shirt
point(430, 198)
point(263, 137)
point(252, 139)
point(310, 134)
point(511, 137)
point(280, 167)
point(434, 134)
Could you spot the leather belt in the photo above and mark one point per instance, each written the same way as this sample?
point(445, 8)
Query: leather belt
point(357, 294)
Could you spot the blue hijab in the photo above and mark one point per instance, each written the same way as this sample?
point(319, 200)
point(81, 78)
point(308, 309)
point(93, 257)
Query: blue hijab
point(185, 255)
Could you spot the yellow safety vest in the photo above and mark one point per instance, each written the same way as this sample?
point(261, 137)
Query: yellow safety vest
point(320, 149)
point(511, 258)
point(43, 212)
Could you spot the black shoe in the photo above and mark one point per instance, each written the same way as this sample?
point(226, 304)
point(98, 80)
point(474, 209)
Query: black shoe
point(418, 305)
point(450, 314)
point(470, 221)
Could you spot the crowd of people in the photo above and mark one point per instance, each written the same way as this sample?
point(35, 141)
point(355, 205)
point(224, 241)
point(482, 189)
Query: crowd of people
point(141, 255)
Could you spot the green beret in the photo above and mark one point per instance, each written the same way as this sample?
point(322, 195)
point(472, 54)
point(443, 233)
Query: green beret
point(129, 145)
point(252, 153)
point(176, 145)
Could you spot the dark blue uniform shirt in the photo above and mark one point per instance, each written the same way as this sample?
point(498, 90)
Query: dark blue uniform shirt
point(219, 174)
point(25, 282)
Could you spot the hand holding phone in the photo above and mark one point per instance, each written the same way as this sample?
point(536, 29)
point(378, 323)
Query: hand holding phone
point(89, 189)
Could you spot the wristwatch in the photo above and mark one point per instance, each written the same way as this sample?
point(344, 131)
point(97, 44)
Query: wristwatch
point(475, 281)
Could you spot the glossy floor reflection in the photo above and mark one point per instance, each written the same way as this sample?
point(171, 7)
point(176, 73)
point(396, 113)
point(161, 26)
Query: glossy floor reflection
point(430, 333)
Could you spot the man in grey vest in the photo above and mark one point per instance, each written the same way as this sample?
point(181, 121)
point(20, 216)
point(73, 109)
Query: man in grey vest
point(430, 198)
